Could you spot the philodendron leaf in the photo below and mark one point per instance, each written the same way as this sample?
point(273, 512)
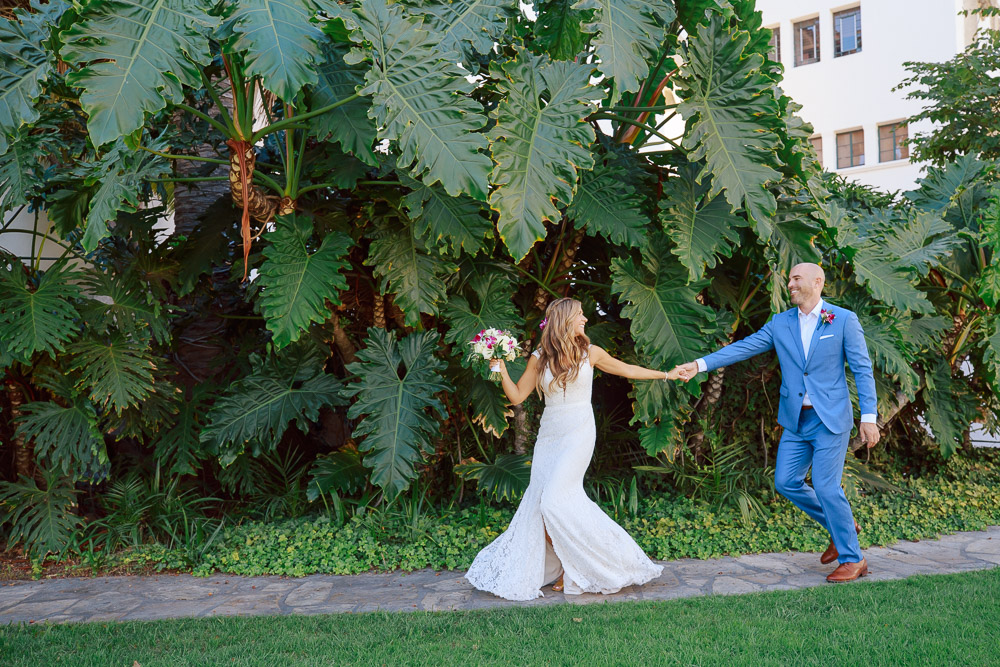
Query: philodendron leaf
point(607, 204)
point(504, 479)
point(540, 141)
point(278, 42)
point(41, 317)
point(668, 324)
point(467, 27)
point(65, 437)
point(493, 308)
point(24, 65)
point(135, 58)
point(337, 471)
point(627, 37)
point(115, 372)
point(700, 226)
point(451, 224)
point(559, 30)
point(256, 410)
point(405, 268)
point(420, 101)
point(395, 386)
point(298, 278)
point(349, 123)
point(725, 98)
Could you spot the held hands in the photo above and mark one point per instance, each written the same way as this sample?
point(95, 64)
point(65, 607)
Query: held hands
point(869, 434)
point(685, 372)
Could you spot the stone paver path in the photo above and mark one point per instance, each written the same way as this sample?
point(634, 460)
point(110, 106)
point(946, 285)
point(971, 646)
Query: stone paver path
point(174, 596)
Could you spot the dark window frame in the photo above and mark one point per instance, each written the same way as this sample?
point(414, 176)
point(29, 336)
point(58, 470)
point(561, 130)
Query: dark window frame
point(853, 159)
point(775, 44)
point(838, 17)
point(816, 141)
point(895, 146)
point(798, 28)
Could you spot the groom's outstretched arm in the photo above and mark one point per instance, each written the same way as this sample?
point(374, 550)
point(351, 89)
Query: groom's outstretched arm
point(754, 344)
point(856, 351)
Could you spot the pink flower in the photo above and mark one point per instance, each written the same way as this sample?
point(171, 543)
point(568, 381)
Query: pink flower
point(544, 322)
point(826, 316)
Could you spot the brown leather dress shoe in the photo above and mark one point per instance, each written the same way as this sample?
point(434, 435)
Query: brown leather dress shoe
point(831, 553)
point(848, 572)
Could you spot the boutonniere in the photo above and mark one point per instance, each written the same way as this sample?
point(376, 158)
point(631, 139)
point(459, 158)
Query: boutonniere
point(826, 316)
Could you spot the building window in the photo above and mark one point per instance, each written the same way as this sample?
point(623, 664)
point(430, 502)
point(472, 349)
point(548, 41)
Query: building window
point(775, 44)
point(846, 32)
point(850, 149)
point(892, 142)
point(807, 42)
point(817, 144)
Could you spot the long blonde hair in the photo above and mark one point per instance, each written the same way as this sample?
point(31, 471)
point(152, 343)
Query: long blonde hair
point(561, 348)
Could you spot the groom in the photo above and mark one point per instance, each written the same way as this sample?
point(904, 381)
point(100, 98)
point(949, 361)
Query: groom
point(812, 341)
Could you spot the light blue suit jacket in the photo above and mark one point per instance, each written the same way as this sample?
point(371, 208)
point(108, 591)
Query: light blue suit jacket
point(821, 374)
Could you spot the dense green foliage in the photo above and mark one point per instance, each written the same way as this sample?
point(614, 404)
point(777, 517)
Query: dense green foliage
point(395, 182)
point(936, 620)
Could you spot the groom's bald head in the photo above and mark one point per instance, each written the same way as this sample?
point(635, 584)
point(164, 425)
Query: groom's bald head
point(805, 283)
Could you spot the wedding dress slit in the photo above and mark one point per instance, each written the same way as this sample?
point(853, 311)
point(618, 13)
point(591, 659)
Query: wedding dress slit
point(594, 554)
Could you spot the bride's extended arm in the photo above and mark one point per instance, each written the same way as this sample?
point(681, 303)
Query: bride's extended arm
point(516, 393)
point(604, 361)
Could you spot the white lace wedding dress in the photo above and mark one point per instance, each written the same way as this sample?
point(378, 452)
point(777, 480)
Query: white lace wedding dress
point(595, 554)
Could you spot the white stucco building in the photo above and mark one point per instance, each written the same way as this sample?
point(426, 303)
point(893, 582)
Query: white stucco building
point(842, 61)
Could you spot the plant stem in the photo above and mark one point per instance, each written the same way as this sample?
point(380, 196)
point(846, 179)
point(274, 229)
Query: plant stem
point(622, 119)
point(205, 117)
point(661, 107)
point(540, 283)
point(172, 156)
point(45, 236)
point(317, 186)
point(223, 112)
point(281, 124)
point(191, 179)
point(377, 183)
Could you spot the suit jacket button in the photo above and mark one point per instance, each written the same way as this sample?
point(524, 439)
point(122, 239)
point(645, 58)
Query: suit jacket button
point(805, 373)
point(800, 393)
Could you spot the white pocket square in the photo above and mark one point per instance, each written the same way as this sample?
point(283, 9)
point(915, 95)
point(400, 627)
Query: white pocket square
point(826, 336)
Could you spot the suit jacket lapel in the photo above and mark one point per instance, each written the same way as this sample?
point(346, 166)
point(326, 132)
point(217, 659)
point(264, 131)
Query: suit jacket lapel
point(815, 336)
point(796, 331)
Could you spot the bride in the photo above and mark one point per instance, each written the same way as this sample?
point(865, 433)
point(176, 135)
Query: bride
point(558, 534)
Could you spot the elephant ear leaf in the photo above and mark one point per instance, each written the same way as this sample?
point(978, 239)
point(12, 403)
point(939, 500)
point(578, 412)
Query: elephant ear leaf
point(668, 324)
point(337, 471)
point(24, 65)
point(725, 97)
point(37, 318)
point(702, 228)
point(256, 410)
point(395, 386)
point(41, 517)
point(279, 43)
point(493, 307)
point(298, 279)
point(467, 27)
point(135, 57)
point(627, 37)
point(116, 372)
point(450, 224)
point(64, 436)
point(539, 142)
point(349, 123)
point(504, 479)
point(606, 204)
point(420, 101)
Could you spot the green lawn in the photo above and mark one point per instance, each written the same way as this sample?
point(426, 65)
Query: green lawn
point(939, 620)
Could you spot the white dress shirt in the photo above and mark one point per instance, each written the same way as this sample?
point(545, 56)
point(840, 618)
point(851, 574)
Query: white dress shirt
point(807, 327)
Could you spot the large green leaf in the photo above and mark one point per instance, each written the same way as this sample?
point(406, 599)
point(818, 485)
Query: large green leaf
point(628, 35)
point(296, 282)
point(125, 304)
point(504, 479)
point(177, 445)
point(349, 123)
point(338, 471)
point(559, 28)
point(64, 437)
point(123, 174)
point(948, 407)
point(420, 101)
point(701, 227)
point(405, 268)
point(920, 241)
point(539, 143)
point(37, 318)
point(888, 352)
point(41, 518)
point(451, 224)
point(115, 373)
point(395, 387)
point(872, 267)
point(937, 190)
point(24, 65)
point(991, 357)
point(135, 56)
point(257, 410)
point(606, 203)
point(490, 409)
point(725, 101)
point(467, 27)
point(279, 43)
point(20, 170)
point(668, 324)
point(494, 308)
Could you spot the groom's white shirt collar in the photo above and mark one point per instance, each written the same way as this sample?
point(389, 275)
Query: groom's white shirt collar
point(814, 311)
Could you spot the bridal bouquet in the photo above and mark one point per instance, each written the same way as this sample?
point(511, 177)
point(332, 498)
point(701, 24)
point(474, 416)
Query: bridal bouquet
point(491, 344)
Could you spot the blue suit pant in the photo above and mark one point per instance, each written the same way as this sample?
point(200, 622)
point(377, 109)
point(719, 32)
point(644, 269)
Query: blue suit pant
point(813, 444)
